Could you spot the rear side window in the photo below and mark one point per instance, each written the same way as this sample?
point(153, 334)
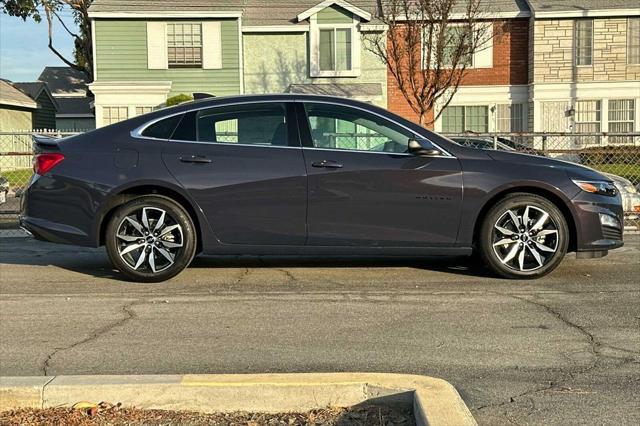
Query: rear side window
point(254, 124)
point(163, 128)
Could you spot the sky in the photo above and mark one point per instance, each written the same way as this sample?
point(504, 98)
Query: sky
point(24, 50)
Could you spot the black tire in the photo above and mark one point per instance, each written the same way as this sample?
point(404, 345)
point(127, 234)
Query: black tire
point(171, 247)
point(499, 225)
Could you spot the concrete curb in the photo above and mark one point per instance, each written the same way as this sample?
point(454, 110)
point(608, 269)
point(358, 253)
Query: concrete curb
point(434, 401)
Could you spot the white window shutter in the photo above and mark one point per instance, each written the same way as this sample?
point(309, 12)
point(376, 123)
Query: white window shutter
point(157, 46)
point(356, 40)
point(483, 57)
point(211, 45)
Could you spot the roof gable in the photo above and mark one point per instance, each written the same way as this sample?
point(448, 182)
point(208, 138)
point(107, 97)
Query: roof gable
point(366, 16)
point(10, 95)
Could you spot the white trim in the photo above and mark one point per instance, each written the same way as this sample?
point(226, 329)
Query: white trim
point(314, 54)
point(487, 15)
point(587, 13)
point(101, 87)
point(94, 49)
point(240, 57)
point(30, 105)
point(341, 3)
point(585, 90)
point(276, 29)
point(373, 27)
point(165, 14)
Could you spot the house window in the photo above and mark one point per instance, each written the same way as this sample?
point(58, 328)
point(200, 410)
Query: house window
point(587, 116)
point(184, 43)
point(621, 119)
point(459, 119)
point(510, 118)
point(633, 41)
point(457, 45)
point(140, 110)
point(335, 49)
point(584, 42)
point(114, 114)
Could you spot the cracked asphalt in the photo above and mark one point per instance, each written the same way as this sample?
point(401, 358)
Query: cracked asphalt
point(564, 349)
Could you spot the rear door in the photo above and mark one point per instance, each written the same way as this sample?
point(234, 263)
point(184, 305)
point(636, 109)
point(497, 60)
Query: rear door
point(243, 165)
point(366, 190)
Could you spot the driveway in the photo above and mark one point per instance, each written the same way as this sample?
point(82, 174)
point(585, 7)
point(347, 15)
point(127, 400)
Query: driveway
point(564, 349)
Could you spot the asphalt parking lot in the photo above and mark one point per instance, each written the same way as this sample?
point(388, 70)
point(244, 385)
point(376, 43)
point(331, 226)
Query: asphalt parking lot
point(564, 349)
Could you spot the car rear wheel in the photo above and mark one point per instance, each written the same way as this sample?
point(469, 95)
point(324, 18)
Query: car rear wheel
point(150, 239)
point(523, 236)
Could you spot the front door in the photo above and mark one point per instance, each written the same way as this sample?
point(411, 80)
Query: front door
point(243, 165)
point(366, 190)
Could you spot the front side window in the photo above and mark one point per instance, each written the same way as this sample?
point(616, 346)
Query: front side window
point(584, 42)
point(633, 41)
point(343, 128)
point(114, 114)
point(621, 119)
point(184, 44)
point(263, 124)
point(335, 49)
point(460, 119)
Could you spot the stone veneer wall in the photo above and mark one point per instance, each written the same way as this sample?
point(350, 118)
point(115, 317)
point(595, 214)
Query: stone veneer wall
point(553, 47)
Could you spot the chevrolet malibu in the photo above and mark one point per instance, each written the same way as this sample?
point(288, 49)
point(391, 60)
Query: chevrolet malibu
point(309, 175)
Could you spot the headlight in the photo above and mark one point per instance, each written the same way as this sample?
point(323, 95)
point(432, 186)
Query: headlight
point(597, 187)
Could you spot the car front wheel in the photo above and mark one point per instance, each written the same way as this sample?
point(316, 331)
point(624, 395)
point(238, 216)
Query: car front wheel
point(523, 236)
point(150, 239)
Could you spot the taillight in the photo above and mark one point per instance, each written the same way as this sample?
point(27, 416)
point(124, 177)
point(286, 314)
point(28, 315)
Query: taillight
point(42, 163)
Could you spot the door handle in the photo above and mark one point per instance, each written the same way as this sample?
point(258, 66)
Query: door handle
point(195, 159)
point(327, 164)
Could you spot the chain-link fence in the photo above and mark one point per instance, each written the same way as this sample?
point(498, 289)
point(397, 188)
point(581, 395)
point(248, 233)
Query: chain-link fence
point(616, 154)
point(16, 169)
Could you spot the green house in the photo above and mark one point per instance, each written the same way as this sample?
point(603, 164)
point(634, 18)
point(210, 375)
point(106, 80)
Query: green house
point(146, 52)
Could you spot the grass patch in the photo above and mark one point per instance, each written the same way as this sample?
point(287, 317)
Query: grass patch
point(17, 178)
point(628, 171)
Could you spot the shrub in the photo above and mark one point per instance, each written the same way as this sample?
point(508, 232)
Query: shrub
point(178, 99)
point(612, 154)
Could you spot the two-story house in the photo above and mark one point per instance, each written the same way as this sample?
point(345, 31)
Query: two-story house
point(493, 95)
point(584, 66)
point(147, 51)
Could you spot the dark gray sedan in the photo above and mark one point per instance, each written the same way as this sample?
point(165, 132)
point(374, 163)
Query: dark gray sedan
point(290, 174)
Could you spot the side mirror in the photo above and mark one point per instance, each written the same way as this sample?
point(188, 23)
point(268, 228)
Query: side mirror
point(416, 148)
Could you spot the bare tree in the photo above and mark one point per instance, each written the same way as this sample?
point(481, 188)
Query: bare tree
point(52, 10)
point(428, 48)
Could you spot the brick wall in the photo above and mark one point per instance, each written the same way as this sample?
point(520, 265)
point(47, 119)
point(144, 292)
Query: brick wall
point(510, 64)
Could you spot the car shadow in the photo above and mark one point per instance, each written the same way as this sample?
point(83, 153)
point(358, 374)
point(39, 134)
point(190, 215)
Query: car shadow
point(95, 262)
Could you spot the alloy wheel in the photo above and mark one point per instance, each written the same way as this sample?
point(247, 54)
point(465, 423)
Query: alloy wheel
point(525, 239)
point(149, 240)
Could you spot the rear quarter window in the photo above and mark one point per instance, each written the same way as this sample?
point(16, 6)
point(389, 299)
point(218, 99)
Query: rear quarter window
point(163, 129)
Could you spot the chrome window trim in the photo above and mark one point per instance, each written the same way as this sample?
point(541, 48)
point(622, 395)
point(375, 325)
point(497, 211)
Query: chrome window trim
point(137, 132)
point(356, 151)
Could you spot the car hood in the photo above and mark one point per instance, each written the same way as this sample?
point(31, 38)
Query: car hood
point(575, 171)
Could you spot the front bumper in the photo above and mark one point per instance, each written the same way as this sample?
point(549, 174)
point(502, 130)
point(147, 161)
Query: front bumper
point(594, 216)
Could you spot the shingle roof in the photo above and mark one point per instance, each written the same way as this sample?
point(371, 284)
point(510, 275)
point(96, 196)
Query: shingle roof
point(165, 5)
point(31, 89)
point(64, 81)
point(74, 106)
point(10, 95)
point(578, 5)
point(284, 12)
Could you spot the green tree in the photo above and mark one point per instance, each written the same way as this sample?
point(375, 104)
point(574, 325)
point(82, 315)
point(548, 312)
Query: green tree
point(51, 11)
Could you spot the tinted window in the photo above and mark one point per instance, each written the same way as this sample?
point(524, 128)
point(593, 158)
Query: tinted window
point(338, 127)
point(163, 128)
point(255, 124)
